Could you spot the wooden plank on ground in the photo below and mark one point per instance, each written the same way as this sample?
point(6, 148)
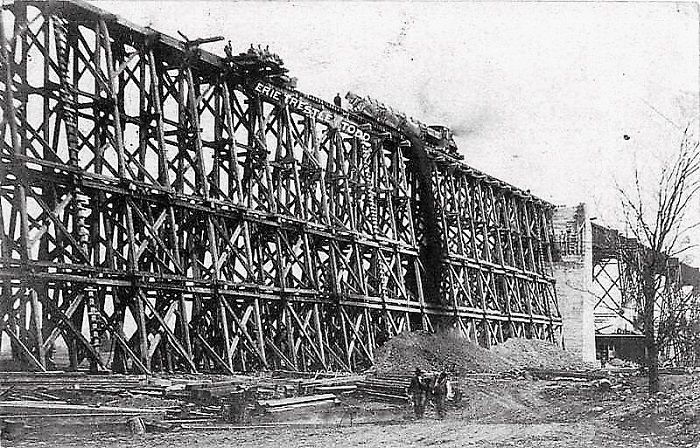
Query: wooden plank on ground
point(49, 407)
point(294, 407)
point(296, 400)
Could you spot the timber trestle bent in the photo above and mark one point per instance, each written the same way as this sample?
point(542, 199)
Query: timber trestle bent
point(164, 208)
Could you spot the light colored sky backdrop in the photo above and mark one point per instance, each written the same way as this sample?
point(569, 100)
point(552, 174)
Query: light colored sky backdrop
point(538, 94)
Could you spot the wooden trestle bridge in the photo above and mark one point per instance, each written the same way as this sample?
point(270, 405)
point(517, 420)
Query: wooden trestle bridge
point(617, 284)
point(164, 208)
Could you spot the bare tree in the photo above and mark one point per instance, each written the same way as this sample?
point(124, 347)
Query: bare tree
point(659, 222)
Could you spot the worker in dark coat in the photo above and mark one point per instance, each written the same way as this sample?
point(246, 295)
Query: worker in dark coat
point(337, 100)
point(439, 394)
point(418, 390)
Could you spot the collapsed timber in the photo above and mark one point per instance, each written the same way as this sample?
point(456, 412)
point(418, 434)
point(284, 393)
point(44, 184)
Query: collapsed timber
point(39, 404)
point(164, 208)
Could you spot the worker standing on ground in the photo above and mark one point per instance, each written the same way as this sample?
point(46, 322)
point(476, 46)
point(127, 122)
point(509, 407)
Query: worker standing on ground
point(439, 392)
point(418, 390)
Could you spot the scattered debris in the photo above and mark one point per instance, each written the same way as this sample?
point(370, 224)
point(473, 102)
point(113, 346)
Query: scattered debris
point(557, 374)
point(136, 425)
point(138, 404)
point(604, 385)
point(285, 404)
point(676, 407)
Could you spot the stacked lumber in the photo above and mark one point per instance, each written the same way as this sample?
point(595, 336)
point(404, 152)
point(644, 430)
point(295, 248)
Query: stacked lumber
point(13, 393)
point(57, 401)
point(53, 408)
point(51, 416)
point(73, 380)
point(215, 391)
point(49, 402)
point(287, 404)
point(337, 384)
point(386, 387)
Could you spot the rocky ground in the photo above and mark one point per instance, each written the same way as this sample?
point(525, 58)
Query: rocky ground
point(502, 401)
point(494, 412)
point(448, 433)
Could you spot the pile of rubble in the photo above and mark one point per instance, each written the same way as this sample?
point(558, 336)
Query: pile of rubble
point(676, 408)
point(435, 352)
point(40, 403)
point(535, 353)
point(48, 402)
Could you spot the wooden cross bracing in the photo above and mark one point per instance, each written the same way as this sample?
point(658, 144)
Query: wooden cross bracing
point(159, 213)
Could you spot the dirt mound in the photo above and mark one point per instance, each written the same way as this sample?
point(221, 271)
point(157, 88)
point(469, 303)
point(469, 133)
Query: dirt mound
point(429, 351)
point(535, 353)
point(676, 408)
point(433, 352)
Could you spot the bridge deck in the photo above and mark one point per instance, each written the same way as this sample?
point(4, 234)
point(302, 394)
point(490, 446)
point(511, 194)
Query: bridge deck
point(166, 208)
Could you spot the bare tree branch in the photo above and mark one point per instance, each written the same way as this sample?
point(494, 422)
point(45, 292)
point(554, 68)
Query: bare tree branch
point(663, 308)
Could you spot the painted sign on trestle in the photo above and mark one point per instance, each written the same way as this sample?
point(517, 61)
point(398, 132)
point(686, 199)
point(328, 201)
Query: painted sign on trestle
point(305, 107)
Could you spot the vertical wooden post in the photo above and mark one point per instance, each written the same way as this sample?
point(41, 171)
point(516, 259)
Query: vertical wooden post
point(225, 330)
point(291, 342)
point(114, 93)
point(319, 333)
point(140, 317)
point(259, 330)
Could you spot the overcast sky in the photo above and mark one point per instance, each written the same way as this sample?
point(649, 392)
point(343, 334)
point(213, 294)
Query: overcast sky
point(539, 94)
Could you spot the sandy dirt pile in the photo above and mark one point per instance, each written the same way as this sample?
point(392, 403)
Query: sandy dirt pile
point(535, 353)
point(434, 352)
